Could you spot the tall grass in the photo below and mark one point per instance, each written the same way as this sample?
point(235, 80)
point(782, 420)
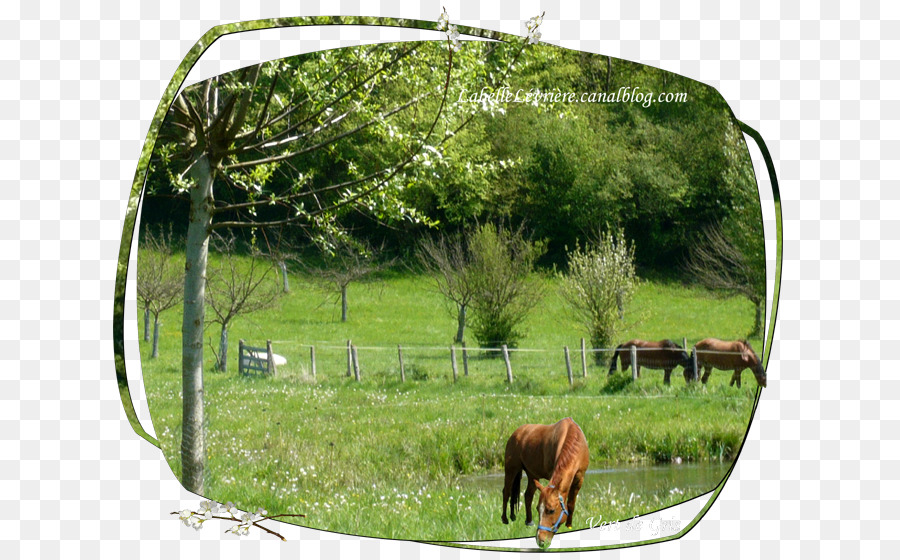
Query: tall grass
point(389, 458)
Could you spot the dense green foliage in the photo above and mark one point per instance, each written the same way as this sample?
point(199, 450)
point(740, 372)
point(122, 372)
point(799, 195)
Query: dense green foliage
point(663, 172)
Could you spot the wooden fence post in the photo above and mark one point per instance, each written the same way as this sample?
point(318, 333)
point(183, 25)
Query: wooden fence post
point(569, 366)
point(634, 364)
point(583, 359)
point(453, 360)
point(509, 375)
point(402, 371)
point(270, 359)
point(241, 356)
point(465, 360)
point(684, 342)
point(349, 359)
point(312, 360)
point(355, 362)
point(696, 369)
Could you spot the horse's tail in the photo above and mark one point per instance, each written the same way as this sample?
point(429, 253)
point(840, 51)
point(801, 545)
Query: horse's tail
point(514, 493)
point(612, 364)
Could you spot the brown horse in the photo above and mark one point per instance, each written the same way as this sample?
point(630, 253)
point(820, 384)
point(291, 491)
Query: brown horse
point(664, 355)
point(735, 355)
point(558, 453)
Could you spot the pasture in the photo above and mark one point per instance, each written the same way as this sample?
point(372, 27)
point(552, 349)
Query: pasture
point(416, 459)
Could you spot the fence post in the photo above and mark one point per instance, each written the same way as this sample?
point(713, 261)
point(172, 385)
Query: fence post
point(694, 359)
point(402, 371)
point(465, 360)
point(312, 359)
point(684, 342)
point(349, 359)
point(241, 356)
point(270, 359)
point(634, 364)
point(569, 366)
point(583, 359)
point(509, 375)
point(453, 360)
point(355, 362)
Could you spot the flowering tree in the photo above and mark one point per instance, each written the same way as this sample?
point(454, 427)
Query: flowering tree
point(599, 284)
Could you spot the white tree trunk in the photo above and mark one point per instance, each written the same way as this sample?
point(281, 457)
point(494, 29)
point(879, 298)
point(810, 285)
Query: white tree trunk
point(284, 277)
point(461, 324)
point(146, 324)
point(155, 353)
point(193, 451)
point(223, 349)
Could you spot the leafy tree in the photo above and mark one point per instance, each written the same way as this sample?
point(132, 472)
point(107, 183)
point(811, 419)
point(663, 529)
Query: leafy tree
point(160, 281)
point(599, 284)
point(504, 291)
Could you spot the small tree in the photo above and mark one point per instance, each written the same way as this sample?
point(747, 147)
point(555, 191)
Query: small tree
point(719, 264)
point(238, 286)
point(504, 291)
point(346, 260)
point(160, 281)
point(447, 261)
point(599, 285)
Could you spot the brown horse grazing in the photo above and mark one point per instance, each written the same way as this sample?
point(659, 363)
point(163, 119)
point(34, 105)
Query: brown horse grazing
point(558, 453)
point(664, 355)
point(735, 355)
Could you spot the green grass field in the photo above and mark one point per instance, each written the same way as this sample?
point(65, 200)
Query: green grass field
point(388, 458)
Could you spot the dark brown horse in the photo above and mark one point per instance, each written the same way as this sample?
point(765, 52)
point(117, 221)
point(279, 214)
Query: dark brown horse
point(664, 355)
point(734, 355)
point(558, 453)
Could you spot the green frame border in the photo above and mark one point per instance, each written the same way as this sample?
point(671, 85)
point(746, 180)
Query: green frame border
point(136, 194)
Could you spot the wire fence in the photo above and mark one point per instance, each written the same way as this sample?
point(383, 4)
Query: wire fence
point(455, 362)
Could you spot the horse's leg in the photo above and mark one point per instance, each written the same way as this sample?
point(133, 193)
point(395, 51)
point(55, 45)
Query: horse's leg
point(506, 485)
point(513, 469)
point(667, 375)
point(706, 371)
point(573, 493)
point(736, 377)
point(529, 494)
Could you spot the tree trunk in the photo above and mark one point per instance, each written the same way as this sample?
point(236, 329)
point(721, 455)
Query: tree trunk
point(343, 304)
point(155, 353)
point(461, 323)
point(193, 451)
point(223, 349)
point(146, 324)
point(284, 277)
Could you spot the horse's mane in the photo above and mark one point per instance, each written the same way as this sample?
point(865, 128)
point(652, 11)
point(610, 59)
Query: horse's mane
point(667, 343)
point(567, 454)
point(750, 348)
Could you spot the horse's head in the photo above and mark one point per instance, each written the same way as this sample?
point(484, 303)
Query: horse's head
point(552, 512)
point(755, 364)
point(687, 362)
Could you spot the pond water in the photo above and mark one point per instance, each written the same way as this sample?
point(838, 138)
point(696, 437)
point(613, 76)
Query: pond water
point(691, 478)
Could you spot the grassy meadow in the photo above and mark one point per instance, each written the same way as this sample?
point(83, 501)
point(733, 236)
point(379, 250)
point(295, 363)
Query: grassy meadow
point(388, 458)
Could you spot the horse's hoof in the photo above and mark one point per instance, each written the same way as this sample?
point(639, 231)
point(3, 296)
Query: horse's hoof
point(504, 520)
point(529, 523)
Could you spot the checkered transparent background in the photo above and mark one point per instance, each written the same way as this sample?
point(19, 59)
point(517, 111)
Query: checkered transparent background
point(80, 82)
